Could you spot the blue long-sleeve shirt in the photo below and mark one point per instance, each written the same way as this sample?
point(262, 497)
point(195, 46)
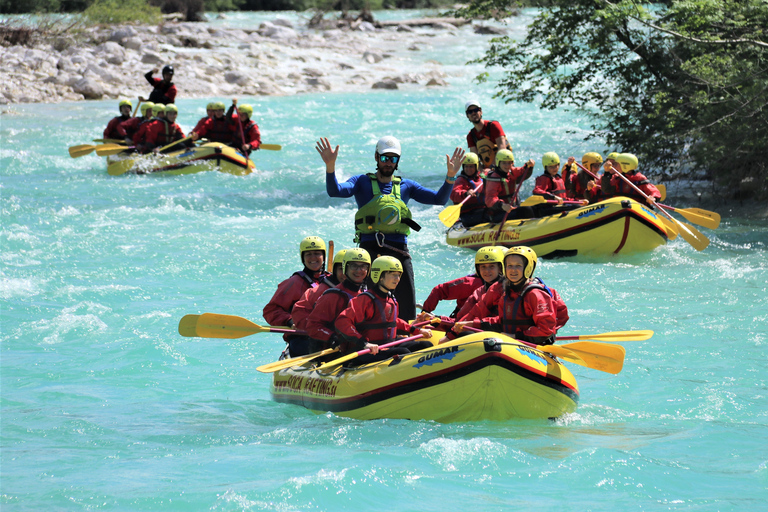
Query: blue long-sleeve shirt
point(360, 187)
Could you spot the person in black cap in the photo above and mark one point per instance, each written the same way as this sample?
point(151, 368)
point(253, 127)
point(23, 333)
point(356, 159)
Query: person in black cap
point(164, 90)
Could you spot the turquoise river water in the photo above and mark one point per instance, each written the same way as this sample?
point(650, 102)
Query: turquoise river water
point(106, 407)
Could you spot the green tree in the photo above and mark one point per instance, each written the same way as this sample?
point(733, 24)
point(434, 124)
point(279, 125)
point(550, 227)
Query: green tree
point(682, 84)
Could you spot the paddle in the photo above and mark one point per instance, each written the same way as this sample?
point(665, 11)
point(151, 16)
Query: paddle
point(534, 200)
point(612, 336)
point(111, 149)
point(294, 361)
point(662, 190)
point(81, 150)
point(669, 226)
point(162, 149)
point(242, 135)
point(698, 216)
point(330, 256)
point(451, 214)
point(137, 106)
point(689, 233)
point(271, 147)
point(514, 198)
point(109, 141)
point(353, 355)
point(213, 325)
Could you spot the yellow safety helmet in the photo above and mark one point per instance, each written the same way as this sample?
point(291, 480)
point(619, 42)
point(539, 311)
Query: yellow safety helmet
point(591, 158)
point(356, 256)
point(612, 156)
point(493, 254)
point(125, 103)
point(219, 105)
point(246, 109)
point(157, 108)
point(171, 108)
point(211, 106)
point(528, 255)
point(470, 159)
point(384, 264)
point(312, 243)
point(147, 105)
point(338, 258)
point(550, 158)
point(505, 155)
point(628, 162)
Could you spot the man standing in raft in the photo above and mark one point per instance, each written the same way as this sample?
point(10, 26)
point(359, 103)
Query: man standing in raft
point(164, 89)
point(383, 220)
point(486, 137)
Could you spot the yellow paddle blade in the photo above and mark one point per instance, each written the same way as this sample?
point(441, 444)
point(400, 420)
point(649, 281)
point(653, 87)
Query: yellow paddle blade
point(212, 325)
point(450, 215)
point(110, 149)
point(662, 190)
point(271, 147)
point(564, 354)
point(693, 236)
point(669, 226)
point(598, 356)
point(615, 336)
point(701, 217)
point(294, 361)
point(533, 201)
point(188, 326)
point(81, 150)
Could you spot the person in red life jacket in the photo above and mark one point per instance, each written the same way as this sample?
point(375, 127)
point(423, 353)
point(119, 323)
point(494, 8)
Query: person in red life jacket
point(140, 137)
point(277, 312)
point(209, 109)
point(308, 300)
point(127, 130)
point(551, 184)
point(320, 322)
point(473, 210)
point(583, 185)
point(606, 189)
point(372, 319)
point(250, 140)
point(164, 89)
point(110, 132)
point(217, 128)
point(519, 305)
point(628, 163)
point(165, 132)
point(502, 185)
point(486, 137)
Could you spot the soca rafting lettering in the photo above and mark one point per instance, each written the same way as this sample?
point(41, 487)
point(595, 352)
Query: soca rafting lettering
point(488, 237)
point(437, 357)
point(308, 385)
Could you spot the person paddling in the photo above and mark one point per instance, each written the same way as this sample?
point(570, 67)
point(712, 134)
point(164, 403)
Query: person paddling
point(128, 129)
point(308, 300)
point(628, 163)
point(371, 318)
point(217, 128)
point(472, 208)
point(383, 220)
point(502, 185)
point(166, 131)
point(111, 131)
point(519, 305)
point(277, 312)
point(247, 137)
point(583, 185)
point(164, 90)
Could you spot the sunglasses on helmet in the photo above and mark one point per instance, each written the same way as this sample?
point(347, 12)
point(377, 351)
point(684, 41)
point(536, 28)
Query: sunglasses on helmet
point(389, 158)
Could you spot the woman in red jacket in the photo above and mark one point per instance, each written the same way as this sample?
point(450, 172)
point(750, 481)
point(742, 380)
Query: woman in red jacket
point(468, 180)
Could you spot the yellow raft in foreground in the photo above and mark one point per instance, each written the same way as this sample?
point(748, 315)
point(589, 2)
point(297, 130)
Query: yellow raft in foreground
point(212, 156)
point(616, 225)
point(483, 376)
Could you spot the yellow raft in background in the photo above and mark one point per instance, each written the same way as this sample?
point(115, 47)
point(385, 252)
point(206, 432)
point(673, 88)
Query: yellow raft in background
point(212, 156)
point(483, 376)
point(616, 225)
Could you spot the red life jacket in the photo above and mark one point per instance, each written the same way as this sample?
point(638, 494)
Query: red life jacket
point(514, 319)
point(553, 185)
point(218, 130)
point(382, 326)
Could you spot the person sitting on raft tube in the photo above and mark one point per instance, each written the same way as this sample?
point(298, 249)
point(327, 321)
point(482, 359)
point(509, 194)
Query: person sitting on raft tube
point(110, 132)
point(606, 189)
point(486, 137)
point(383, 220)
point(320, 323)
point(582, 185)
point(519, 305)
point(308, 300)
point(165, 131)
point(164, 89)
point(127, 130)
point(473, 209)
point(628, 163)
point(140, 137)
point(216, 128)
point(502, 185)
point(209, 110)
point(550, 184)
point(371, 318)
point(245, 137)
point(312, 253)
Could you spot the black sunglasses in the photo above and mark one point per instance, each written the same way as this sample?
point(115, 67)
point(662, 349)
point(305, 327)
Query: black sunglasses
point(473, 110)
point(389, 158)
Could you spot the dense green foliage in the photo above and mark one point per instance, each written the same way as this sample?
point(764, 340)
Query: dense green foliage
point(683, 84)
point(121, 11)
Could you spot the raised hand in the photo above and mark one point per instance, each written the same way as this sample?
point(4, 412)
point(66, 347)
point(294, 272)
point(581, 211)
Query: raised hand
point(454, 163)
point(328, 155)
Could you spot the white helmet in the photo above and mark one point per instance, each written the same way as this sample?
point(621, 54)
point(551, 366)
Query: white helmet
point(388, 144)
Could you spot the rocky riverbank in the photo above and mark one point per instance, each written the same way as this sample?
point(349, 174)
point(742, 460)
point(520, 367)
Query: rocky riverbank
point(276, 58)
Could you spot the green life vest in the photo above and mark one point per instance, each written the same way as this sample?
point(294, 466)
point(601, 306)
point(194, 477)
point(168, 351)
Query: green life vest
point(385, 213)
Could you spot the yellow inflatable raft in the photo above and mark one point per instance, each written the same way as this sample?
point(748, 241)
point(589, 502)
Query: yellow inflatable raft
point(483, 376)
point(616, 225)
point(212, 156)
